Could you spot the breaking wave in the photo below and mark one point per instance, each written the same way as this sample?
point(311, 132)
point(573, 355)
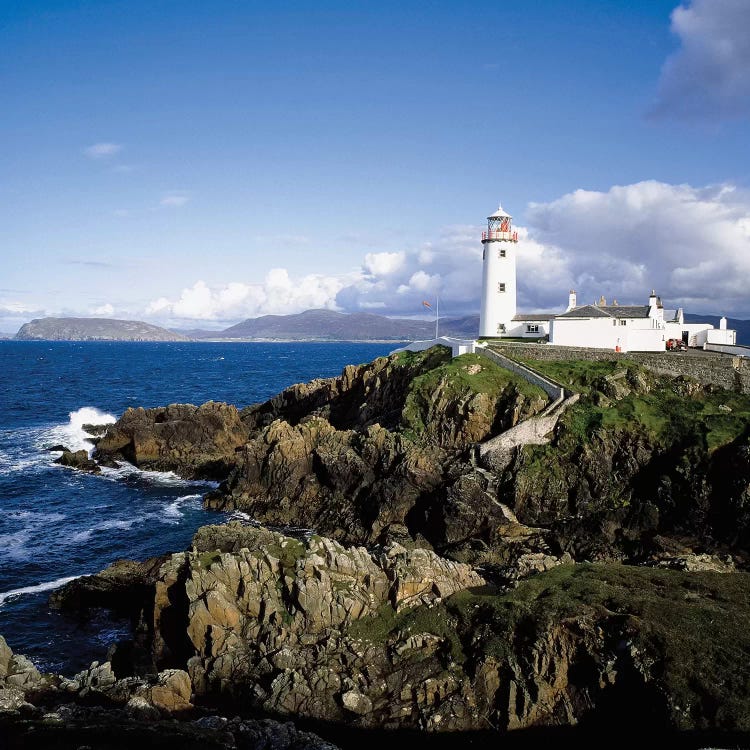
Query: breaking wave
point(72, 435)
point(38, 588)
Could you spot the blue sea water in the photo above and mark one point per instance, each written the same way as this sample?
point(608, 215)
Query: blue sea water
point(56, 523)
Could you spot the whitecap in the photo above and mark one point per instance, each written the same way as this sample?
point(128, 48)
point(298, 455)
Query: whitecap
point(39, 587)
point(15, 545)
point(173, 511)
point(72, 435)
point(238, 515)
point(169, 478)
point(120, 524)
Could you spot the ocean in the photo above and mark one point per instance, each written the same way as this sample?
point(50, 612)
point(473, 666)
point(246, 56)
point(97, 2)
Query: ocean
point(56, 523)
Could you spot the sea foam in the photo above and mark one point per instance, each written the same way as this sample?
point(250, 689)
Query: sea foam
point(72, 435)
point(39, 587)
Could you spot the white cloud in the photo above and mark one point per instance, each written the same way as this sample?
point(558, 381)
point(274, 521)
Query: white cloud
point(277, 294)
point(691, 244)
point(9, 309)
point(397, 283)
point(102, 150)
point(103, 310)
point(383, 264)
point(709, 76)
point(175, 199)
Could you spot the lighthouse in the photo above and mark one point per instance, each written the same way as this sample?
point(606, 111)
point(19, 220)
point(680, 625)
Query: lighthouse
point(498, 275)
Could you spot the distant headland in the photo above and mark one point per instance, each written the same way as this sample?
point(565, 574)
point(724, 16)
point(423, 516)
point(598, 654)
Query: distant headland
point(94, 329)
point(310, 325)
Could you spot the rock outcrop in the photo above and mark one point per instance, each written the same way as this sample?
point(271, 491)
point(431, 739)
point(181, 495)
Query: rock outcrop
point(96, 709)
point(78, 460)
point(402, 639)
point(372, 456)
point(198, 442)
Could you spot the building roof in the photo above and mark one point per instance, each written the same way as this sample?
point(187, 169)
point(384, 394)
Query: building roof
point(533, 317)
point(607, 311)
point(500, 214)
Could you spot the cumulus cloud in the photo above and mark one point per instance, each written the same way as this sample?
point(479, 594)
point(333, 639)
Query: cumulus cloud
point(104, 311)
point(383, 264)
point(709, 75)
point(12, 309)
point(102, 150)
point(277, 294)
point(175, 199)
point(691, 244)
point(396, 283)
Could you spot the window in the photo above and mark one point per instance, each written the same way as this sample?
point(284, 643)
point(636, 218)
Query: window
point(500, 286)
point(501, 327)
point(501, 253)
point(614, 322)
point(623, 322)
point(532, 328)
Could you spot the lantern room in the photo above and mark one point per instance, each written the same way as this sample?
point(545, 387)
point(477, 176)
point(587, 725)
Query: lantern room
point(499, 227)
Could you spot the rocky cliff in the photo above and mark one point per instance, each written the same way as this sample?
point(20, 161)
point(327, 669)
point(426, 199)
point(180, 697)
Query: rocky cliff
point(386, 453)
point(381, 453)
point(252, 620)
point(436, 592)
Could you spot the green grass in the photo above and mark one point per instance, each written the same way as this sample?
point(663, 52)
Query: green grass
point(387, 624)
point(207, 559)
point(665, 413)
point(694, 628)
point(287, 553)
point(466, 374)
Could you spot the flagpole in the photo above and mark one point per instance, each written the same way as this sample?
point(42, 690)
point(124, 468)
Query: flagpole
point(437, 314)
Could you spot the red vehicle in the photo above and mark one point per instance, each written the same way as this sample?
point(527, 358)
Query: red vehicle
point(676, 345)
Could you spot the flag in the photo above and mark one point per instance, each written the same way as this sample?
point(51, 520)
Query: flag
point(427, 304)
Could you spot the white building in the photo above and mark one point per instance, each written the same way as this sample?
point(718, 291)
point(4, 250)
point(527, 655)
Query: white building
point(498, 275)
point(623, 328)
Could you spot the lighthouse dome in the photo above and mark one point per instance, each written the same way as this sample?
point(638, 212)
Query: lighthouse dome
point(500, 214)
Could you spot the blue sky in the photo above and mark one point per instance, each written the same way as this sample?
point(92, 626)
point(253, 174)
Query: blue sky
point(197, 163)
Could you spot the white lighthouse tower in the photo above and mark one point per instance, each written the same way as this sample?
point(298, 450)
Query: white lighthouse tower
point(498, 275)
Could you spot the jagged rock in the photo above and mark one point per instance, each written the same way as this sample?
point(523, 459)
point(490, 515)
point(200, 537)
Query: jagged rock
point(141, 709)
point(98, 677)
point(19, 671)
point(78, 460)
point(356, 702)
point(198, 442)
point(124, 587)
point(359, 457)
point(697, 563)
point(5, 656)
point(73, 726)
point(97, 430)
point(11, 698)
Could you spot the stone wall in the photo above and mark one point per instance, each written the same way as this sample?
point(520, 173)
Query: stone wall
point(552, 388)
point(732, 373)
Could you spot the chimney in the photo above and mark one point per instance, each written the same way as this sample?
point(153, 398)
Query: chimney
point(652, 299)
point(723, 324)
point(602, 301)
point(571, 300)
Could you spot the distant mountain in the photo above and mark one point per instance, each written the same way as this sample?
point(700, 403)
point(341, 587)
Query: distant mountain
point(93, 329)
point(741, 326)
point(327, 325)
